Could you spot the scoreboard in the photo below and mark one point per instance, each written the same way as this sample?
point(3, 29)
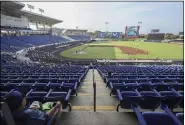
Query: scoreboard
point(110, 35)
point(132, 31)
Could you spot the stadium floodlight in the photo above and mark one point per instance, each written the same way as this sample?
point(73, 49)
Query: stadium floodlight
point(106, 23)
point(41, 11)
point(30, 7)
point(140, 22)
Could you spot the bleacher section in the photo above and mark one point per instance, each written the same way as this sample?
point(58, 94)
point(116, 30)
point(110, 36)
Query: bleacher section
point(15, 43)
point(36, 81)
point(80, 37)
point(147, 87)
point(5, 58)
point(37, 55)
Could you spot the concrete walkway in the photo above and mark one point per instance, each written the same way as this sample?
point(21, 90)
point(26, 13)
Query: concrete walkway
point(82, 106)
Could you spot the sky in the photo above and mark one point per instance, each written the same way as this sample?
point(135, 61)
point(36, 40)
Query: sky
point(166, 16)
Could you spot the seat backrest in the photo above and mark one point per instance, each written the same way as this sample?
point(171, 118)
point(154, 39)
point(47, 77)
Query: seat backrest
point(7, 116)
point(128, 93)
point(38, 93)
point(180, 116)
point(57, 94)
point(168, 93)
point(148, 93)
point(181, 92)
point(157, 118)
point(150, 100)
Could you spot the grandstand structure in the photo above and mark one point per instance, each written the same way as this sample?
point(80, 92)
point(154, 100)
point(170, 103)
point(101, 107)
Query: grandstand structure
point(91, 91)
point(77, 34)
point(13, 17)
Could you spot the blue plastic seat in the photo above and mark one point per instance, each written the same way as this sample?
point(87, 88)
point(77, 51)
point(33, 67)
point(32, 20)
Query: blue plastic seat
point(34, 95)
point(171, 99)
point(181, 104)
point(131, 86)
point(180, 116)
point(60, 96)
point(157, 118)
point(54, 86)
point(3, 94)
point(128, 99)
point(160, 86)
point(43, 80)
point(179, 86)
point(72, 86)
point(147, 86)
point(24, 88)
point(150, 100)
point(115, 86)
point(40, 86)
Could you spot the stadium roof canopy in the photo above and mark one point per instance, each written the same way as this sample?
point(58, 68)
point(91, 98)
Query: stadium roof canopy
point(72, 30)
point(76, 30)
point(14, 8)
point(12, 5)
point(34, 17)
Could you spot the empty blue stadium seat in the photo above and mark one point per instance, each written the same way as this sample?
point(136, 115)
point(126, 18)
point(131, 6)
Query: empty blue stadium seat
point(34, 95)
point(171, 99)
point(182, 101)
point(146, 86)
point(60, 96)
point(180, 116)
point(157, 118)
point(80, 37)
point(128, 99)
point(150, 100)
point(40, 86)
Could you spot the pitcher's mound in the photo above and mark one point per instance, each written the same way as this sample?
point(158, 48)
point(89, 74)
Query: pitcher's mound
point(131, 50)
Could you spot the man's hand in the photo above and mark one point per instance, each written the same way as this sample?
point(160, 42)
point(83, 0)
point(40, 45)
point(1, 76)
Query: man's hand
point(58, 105)
point(34, 107)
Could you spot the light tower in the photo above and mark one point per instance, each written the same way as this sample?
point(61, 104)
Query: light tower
point(139, 24)
point(41, 11)
point(30, 7)
point(106, 23)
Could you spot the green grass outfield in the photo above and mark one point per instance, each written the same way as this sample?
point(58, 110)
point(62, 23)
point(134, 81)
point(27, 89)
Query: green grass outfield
point(156, 50)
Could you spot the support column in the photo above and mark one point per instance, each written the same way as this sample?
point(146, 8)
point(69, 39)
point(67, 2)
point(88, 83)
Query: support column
point(37, 25)
point(50, 31)
point(44, 27)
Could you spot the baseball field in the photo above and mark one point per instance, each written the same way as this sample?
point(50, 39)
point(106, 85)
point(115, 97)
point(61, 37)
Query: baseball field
point(126, 50)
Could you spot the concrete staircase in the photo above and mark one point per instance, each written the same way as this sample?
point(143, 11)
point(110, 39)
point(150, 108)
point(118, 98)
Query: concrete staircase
point(82, 106)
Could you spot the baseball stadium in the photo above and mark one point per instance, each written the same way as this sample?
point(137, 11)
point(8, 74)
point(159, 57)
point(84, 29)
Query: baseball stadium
point(73, 76)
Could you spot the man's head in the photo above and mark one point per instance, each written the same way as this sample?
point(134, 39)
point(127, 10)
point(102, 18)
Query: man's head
point(14, 100)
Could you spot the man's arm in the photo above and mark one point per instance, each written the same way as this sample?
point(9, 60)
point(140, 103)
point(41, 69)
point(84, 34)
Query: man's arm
point(52, 112)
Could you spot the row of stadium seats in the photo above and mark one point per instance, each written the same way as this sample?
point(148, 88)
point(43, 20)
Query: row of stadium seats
point(8, 48)
point(34, 68)
point(80, 37)
point(131, 70)
point(43, 86)
point(5, 57)
point(42, 56)
point(167, 100)
point(43, 96)
point(15, 43)
point(41, 40)
point(147, 87)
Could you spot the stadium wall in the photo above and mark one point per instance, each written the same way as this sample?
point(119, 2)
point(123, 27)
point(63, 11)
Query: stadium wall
point(14, 22)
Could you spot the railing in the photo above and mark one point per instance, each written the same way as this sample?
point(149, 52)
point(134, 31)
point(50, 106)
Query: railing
point(94, 87)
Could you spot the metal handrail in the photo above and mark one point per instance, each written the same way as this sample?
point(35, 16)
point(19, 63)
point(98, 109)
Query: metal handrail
point(94, 87)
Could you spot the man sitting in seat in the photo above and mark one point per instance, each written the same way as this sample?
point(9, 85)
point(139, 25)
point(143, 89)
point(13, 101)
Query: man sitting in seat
point(28, 115)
